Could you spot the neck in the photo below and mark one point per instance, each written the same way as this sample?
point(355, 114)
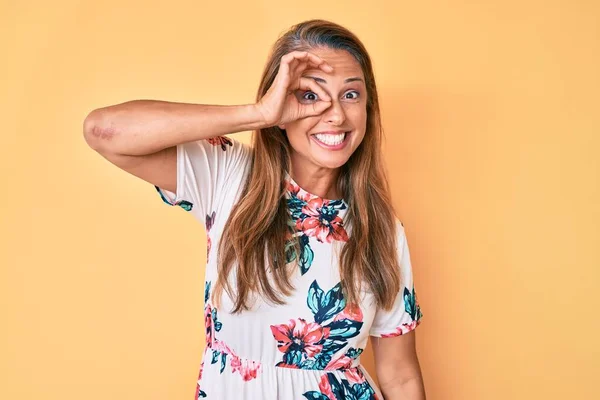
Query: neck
point(320, 181)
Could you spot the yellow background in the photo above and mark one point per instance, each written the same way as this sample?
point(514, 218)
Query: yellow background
point(492, 118)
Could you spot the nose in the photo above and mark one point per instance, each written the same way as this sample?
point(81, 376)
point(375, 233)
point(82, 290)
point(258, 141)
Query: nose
point(335, 114)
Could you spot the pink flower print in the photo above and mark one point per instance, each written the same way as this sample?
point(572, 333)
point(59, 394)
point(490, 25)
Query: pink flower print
point(322, 223)
point(222, 141)
point(325, 387)
point(300, 336)
point(248, 369)
point(208, 246)
point(208, 325)
point(297, 192)
point(397, 332)
point(210, 220)
point(198, 390)
point(400, 330)
point(222, 347)
point(200, 372)
point(354, 376)
point(342, 362)
point(352, 312)
point(411, 325)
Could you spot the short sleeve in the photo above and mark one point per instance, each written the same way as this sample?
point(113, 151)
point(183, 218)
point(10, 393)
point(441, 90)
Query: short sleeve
point(406, 314)
point(210, 173)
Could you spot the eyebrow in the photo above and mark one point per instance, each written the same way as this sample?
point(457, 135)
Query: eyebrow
point(353, 79)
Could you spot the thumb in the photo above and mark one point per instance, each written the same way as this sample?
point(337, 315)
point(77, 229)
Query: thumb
point(316, 108)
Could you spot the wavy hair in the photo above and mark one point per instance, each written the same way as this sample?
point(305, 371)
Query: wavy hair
point(252, 249)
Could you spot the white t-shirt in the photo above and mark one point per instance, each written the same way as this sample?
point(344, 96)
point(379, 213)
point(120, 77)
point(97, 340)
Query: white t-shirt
point(310, 347)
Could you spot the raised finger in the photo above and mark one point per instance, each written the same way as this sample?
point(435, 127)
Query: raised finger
point(310, 84)
point(298, 65)
point(303, 65)
point(317, 61)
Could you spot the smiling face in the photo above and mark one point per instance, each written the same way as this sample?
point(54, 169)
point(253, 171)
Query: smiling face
point(329, 139)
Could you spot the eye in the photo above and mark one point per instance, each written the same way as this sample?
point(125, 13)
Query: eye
point(312, 95)
point(352, 98)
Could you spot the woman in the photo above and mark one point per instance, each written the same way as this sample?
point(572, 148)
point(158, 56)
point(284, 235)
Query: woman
point(306, 258)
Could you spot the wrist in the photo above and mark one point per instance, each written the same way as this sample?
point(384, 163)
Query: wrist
point(258, 117)
point(263, 121)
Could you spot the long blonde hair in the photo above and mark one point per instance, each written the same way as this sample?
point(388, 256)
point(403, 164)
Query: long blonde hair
point(258, 223)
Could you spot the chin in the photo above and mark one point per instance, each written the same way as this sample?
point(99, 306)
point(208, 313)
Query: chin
point(331, 164)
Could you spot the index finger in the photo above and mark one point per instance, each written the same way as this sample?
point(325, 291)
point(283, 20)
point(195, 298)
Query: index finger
point(307, 56)
point(319, 62)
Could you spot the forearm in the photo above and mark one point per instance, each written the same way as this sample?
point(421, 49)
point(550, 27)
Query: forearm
point(412, 389)
point(142, 127)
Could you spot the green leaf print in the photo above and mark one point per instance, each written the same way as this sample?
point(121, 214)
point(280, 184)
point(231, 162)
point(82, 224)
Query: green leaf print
point(410, 304)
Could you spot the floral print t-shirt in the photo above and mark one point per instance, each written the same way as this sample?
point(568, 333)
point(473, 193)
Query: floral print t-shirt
point(310, 347)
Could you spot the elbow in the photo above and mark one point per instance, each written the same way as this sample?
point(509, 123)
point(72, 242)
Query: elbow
point(96, 133)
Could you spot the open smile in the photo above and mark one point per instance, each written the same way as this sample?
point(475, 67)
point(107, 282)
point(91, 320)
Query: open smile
point(331, 141)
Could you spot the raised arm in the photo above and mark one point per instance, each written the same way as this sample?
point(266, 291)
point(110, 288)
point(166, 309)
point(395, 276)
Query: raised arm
point(141, 136)
point(142, 127)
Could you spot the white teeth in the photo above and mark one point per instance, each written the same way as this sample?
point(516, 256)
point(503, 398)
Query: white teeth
point(331, 140)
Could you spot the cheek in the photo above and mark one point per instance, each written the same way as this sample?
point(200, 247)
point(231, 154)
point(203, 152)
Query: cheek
point(296, 134)
point(356, 111)
point(358, 118)
point(297, 130)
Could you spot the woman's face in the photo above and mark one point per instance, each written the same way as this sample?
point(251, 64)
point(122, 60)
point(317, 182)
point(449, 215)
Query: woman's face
point(329, 139)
